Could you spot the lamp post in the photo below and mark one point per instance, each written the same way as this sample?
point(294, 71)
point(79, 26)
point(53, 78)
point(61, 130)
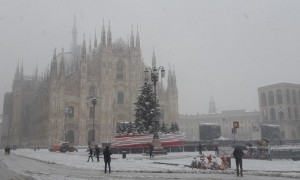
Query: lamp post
point(67, 111)
point(154, 72)
point(94, 100)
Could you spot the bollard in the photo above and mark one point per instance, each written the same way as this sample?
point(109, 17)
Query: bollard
point(124, 154)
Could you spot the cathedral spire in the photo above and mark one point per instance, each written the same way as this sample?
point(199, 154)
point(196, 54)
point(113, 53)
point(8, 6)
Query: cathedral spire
point(17, 72)
point(36, 73)
point(170, 82)
point(137, 39)
point(83, 51)
point(74, 35)
point(53, 69)
point(103, 36)
point(212, 106)
point(132, 38)
point(22, 73)
point(62, 64)
point(153, 59)
point(90, 45)
point(108, 35)
point(174, 80)
point(95, 40)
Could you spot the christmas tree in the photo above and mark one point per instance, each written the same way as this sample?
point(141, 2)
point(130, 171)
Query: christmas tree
point(147, 110)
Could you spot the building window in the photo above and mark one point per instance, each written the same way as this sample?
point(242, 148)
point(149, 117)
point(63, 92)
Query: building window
point(272, 114)
point(294, 96)
point(263, 99)
point(271, 98)
point(120, 98)
point(281, 115)
point(92, 90)
point(289, 113)
point(299, 96)
point(120, 70)
point(70, 112)
point(296, 113)
point(279, 96)
point(265, 114)
point(288, 96)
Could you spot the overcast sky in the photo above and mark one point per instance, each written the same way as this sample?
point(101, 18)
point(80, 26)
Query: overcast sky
point(220, 49)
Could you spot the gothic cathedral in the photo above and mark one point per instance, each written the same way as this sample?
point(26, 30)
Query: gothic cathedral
point(56, 107)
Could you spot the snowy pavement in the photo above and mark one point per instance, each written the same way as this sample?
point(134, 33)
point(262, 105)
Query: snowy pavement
point(137, 165)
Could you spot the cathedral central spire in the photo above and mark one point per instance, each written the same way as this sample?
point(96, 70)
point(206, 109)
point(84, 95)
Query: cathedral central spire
point(108, 36)
point(74, 35)
point(103, 36)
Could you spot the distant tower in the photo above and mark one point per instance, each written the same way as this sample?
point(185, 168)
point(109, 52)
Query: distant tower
point(212, 106)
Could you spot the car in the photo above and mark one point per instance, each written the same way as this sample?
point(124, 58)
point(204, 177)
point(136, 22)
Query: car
point(63, 147)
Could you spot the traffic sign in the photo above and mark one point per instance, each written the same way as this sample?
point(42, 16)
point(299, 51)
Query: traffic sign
point(236, 124)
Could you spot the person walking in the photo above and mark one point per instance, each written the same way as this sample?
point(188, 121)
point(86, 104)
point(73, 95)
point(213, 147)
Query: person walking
point(90, 155)
point(107, 158)
point(238, 155)
point(200, 149)
point(97, 152)
point(151, 150)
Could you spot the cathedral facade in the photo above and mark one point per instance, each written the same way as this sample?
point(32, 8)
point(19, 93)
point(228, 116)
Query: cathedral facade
point(57, 107)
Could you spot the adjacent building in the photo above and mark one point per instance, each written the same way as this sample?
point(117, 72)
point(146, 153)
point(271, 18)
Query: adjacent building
point(248, 124)
point(279, 105)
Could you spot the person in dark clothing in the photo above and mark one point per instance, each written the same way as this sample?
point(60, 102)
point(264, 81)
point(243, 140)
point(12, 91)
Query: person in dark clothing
point(238, 155)
point(151, 150)
point(107, 159)
point(97, 152)
point(200, 148)
point(216, 150)
point(90, 155)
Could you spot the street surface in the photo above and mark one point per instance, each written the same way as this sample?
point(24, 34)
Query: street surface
point(13, 167)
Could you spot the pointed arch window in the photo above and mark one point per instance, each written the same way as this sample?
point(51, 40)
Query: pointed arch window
point(120, 70)
point(70, 112)
point(279, 96)
point(92, 90)
point(120, 98)
point(294, 96)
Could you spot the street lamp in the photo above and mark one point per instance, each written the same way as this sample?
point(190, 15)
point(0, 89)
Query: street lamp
point(155, 75)
point(67, 111)
point(154, 72)
point(94, 100)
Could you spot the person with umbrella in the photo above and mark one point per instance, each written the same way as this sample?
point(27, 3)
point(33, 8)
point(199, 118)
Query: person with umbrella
point(238, 155)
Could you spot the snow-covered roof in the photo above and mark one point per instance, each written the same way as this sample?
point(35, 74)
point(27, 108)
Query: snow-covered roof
point(270, 125)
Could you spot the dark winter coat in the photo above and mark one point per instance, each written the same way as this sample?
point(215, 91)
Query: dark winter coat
point(97, 151)
point(238, 153)
point(106, 154)
point(91, 152)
